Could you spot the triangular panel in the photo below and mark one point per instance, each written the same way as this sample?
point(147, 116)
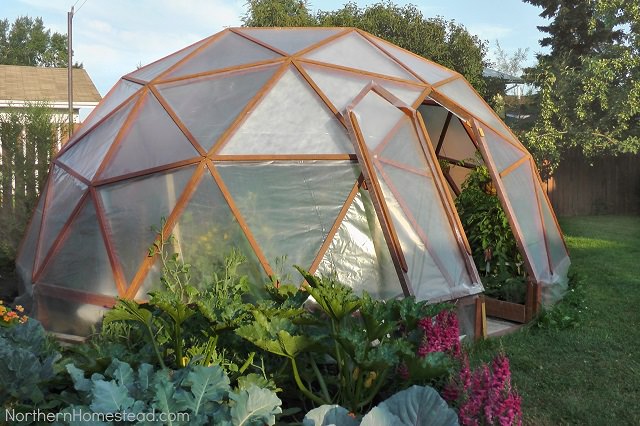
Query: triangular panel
point(358, 254)
point(377, 119)
point(82, 258)
point(133, 207)
point(521, 193)
point(62, 197)
point(290, 119)
point(341, 87)
point(294, 216)
point(403, 149)
point(354, 51)
point(208, 105)
point(467, 98)
point(429, 71)
point(504, 154)
point(226, 51)
point(87, 153)
point(207, 232)
point(290, 40)
point(118, 94)
point(154, 69)
point(152, 140)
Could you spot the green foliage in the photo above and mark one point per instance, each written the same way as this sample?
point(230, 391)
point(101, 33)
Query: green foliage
point(27, 42)
point(204, 393)
point(23, 169)
point(415, 406)
point(445, 42)
point(346, 348)
point(589, 82)
point(570, 311)
point(28, 361)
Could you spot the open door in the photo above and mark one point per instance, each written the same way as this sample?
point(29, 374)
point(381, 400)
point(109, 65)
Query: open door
point(420, 224)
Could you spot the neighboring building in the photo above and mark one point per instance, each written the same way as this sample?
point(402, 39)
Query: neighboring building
point(513, 85)
point(20, 85)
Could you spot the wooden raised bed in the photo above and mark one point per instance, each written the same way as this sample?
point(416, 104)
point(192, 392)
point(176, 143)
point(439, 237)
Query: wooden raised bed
point(515, 312)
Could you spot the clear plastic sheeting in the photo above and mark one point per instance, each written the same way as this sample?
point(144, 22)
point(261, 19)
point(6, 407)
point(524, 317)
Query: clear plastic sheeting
point(291, 219)
point(151, 71)
point(464, 95)
point(504, 154)
point(228, 50)
point(86, 155)
point(67, 316)
point(354, 51)
point(116, 96)
point(418, 193)
point(428, 71)
point(290, 40)
point(26, 255)
point(62, 199)
point(341, 87)
point(554, 289)
point(434, 117)
point(387, 117)
point(403, 149)
point(426, 277)
point(222, 96)
point(290, 119)
point(67, 269)
point(457, 144)
point(208, 232)
point(522, 196)
point(152, 140)
point(134, 207)
point(358, 255)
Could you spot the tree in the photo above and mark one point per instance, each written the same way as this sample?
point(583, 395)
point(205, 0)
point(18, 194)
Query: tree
point(589, 87)
point(27, 42)
point(444, 42)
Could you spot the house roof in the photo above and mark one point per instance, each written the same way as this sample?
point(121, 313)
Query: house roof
point(23, 83)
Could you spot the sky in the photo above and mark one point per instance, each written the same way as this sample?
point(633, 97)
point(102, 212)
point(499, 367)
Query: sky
point(114, 37)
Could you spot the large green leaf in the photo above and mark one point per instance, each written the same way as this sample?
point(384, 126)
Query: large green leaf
point(336, 299)
point(207, 384)
point(327, 415)
point(255, 406)
point(110, 397)
point(122, 373)
point(80, 382)
point(415, 406)
point(163, 400)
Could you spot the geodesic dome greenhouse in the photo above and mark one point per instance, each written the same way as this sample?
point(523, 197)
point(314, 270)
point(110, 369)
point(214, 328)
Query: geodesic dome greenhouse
point(317, 147)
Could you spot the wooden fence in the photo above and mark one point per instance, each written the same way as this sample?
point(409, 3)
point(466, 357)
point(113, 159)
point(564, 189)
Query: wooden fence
point(607, 185)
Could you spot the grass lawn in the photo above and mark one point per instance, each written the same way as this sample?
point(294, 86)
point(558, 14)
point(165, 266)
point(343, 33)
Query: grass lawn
point(588, 374)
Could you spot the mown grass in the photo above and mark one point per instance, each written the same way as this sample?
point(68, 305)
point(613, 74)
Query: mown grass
point(588, 374)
